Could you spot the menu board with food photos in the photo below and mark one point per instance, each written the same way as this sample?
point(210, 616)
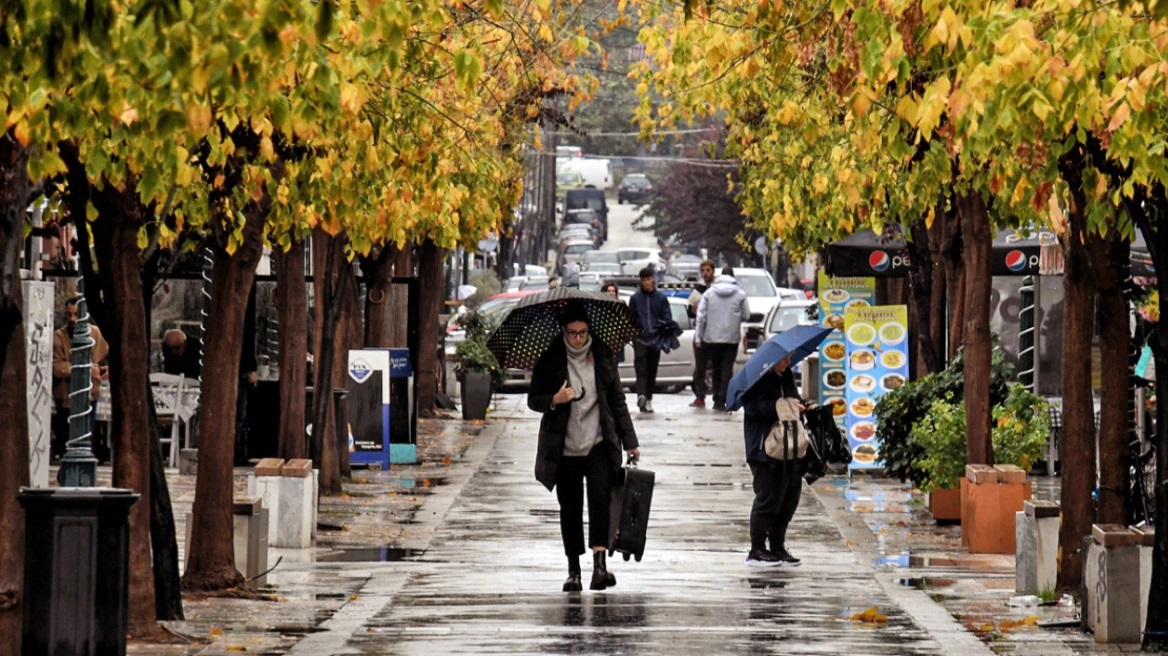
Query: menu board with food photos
point(877, 352)
point(836, 295)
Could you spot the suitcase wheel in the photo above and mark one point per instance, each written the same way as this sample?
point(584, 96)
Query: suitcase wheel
point(638, 557)
point(627, 557)
point(610, 553)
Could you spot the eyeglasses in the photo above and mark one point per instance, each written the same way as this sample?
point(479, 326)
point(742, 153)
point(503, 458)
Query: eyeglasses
point(576, 333)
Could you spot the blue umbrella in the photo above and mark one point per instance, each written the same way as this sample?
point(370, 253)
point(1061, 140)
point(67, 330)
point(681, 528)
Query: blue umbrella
point(798, 342)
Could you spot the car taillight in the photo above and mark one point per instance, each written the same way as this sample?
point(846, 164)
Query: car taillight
point(809, 294)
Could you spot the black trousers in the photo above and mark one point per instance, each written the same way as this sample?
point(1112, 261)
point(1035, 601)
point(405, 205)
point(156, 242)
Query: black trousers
point(596, 467)
point(721, 357)
point(777, 488)
point(701, 364)
point(645, 361)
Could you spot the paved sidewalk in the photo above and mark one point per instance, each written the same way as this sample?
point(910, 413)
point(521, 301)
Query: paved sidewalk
point(461, 554)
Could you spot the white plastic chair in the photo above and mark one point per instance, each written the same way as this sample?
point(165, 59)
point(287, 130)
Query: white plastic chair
point(168, 390)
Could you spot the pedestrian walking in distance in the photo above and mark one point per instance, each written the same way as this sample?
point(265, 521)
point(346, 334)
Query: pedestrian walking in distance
point(701, 362)
point(651, 308)
point(721, 312)
point(585, 428)
point(778, 484)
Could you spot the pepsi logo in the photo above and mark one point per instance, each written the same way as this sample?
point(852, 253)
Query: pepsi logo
point(879, 260)
point(1016, 260)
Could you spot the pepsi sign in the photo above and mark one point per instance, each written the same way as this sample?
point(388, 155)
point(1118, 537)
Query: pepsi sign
point(1017, 261)
point(881, 261)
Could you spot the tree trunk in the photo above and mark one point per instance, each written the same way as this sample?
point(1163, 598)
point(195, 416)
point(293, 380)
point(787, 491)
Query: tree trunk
point(116, 241)
point(954, 254)
point(211, 565)
point(164, 547)
point(1110, 261)
point(292, 315)
point(937, 297)
point(1078, 414)
point(399, 299)
point(326, 251)
point(349, 335)
point(978, 239)
point(378, 287)
point(430, 270)
point(920, 279)
point(163, 543)
point(13, 401)
point(1148, 209)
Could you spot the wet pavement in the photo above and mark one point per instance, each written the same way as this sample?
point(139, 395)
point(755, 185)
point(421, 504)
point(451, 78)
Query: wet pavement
point(461, 554)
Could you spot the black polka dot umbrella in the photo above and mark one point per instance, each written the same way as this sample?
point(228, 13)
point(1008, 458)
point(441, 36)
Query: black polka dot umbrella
point(534, 324)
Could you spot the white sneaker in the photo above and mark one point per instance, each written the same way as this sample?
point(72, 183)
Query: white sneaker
point(648, 405)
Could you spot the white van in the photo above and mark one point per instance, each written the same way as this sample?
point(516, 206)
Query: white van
point(597, 172)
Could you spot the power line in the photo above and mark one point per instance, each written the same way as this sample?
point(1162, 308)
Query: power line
point(630, 134)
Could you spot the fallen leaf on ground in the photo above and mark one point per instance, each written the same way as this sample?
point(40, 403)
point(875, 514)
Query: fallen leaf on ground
point(354, 597)
point(216, 631)
point(1009, 625)
point(870, 616)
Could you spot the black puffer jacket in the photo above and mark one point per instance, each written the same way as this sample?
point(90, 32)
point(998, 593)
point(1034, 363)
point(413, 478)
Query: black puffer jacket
point(759, 405)
point(616, 426)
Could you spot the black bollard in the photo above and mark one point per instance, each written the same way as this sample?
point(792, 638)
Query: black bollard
point(76, 570)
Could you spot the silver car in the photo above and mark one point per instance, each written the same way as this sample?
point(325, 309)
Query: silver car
point(675, 370)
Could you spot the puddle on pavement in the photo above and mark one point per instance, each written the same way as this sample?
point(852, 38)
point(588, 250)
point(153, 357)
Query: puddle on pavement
point(369, 555)
point(926, 583)
point(899, 560)
point(418, 482)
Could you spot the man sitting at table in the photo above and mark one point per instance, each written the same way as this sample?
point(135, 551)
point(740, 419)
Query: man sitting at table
point(181, 354)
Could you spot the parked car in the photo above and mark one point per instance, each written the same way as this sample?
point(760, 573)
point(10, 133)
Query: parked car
point(573, 252)
point(675, 370)
point(596, 257)
point(605, 269)
point(588, 199)
point(632, 260)
point(576, 232)
point(566, 180)
point(590, 281)
point(634, 187)
point(686, 267)
point(787, 313)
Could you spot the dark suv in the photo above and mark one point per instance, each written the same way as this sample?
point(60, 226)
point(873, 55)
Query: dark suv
point(588, 199)
point(634, 187)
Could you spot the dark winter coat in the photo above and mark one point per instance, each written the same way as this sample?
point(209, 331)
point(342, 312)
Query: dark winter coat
point(616, 426)
point(758, 405)
point(652, 312)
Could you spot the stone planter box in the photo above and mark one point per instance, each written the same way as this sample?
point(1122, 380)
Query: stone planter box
point(991, 497)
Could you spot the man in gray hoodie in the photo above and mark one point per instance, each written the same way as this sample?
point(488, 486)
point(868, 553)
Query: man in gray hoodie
point(721, 312)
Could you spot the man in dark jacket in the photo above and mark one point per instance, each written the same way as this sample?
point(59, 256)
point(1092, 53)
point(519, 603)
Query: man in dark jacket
point(651, 308)
point(777, 484)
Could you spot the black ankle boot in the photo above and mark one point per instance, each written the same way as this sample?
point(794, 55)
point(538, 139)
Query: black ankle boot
point(572, 583)
point(601, 577)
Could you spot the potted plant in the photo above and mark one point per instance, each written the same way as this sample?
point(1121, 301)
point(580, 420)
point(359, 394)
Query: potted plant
point(476, 367)
point(898, 411)
point(1021, 425)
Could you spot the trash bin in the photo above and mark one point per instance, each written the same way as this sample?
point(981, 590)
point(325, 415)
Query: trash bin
point(76, 570)
point(403, 408)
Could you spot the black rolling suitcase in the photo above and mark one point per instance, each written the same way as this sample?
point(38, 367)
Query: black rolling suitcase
point(629, 518)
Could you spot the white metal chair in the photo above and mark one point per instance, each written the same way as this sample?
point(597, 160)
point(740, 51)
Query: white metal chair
point(168, 391)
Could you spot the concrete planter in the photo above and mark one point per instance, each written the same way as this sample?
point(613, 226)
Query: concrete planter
point(990, 499)
point(476, 394)
point(945, 505)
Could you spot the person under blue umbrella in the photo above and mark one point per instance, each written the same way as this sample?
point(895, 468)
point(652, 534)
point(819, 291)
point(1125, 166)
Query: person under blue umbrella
point(778, 484)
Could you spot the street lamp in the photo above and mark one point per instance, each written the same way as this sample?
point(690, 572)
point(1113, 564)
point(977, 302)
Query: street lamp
point(78, 465)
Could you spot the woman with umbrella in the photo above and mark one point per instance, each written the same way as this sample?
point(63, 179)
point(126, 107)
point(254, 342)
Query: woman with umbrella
point(585, 426)
point(778, 484)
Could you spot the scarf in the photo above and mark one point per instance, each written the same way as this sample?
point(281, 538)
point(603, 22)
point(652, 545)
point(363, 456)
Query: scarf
point(584, 420)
